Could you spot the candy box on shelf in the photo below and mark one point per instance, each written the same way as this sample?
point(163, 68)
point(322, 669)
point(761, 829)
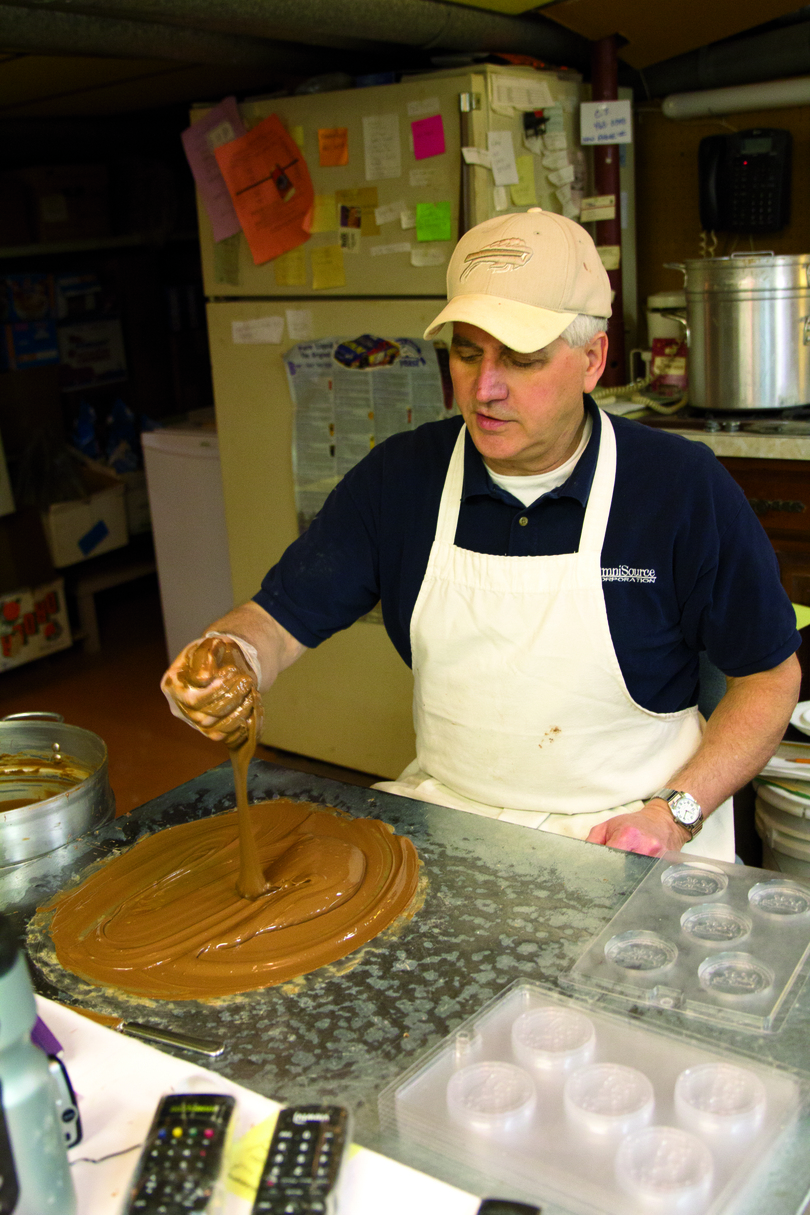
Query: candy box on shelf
point(33, 622)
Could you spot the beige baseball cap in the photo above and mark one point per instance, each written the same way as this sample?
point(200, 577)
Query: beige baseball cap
point(523, 278)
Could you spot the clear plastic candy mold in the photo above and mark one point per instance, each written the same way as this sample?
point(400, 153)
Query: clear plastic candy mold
point(609, 1099)
point(640, 950)
point(780, 899)
point(720, 1101)
point(553, 1041)
point(694, 881)
point(491, 1097)
point(715, 924)
point(667, 1170)
point(739, 975)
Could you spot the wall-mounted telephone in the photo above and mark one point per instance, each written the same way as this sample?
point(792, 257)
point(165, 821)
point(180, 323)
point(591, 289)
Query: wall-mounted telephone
point(745, 181)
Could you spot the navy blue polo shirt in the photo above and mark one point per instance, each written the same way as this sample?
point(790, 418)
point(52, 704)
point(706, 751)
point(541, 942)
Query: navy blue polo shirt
point(686, 565)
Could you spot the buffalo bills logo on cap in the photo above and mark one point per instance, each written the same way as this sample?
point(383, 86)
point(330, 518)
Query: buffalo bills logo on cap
point(508, 254)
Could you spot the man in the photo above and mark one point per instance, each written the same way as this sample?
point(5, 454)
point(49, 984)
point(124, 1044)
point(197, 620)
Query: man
point(550, 573)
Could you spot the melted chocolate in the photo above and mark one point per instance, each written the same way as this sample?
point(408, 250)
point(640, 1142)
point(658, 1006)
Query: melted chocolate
point(166, 920)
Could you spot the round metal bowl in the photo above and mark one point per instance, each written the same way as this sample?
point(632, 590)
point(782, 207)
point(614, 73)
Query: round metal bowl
point(68, 798)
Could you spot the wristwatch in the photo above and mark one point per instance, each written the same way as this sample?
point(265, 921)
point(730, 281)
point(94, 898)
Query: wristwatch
point(683, 808)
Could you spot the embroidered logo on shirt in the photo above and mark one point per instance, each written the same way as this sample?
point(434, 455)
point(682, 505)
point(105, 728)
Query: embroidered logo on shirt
point(508, 254)
point(626, 573)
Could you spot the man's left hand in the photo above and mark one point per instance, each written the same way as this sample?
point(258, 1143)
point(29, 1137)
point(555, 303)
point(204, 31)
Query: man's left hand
point(651, 831)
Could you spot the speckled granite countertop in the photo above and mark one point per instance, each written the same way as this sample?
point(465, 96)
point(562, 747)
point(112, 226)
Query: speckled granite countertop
point(503, 903)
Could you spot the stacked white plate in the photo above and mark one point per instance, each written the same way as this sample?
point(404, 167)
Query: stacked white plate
point(783, 801)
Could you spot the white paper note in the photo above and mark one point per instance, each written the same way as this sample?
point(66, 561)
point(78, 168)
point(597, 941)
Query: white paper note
point(502, 151)
point(264, 330)
point(477, 156)
point(407, 218)
point(562, 176)
point(506, 95)
point(428, 255)
point(555, 141)
point(564, 194)
point(571, 209)
point(424, 109)
point(604, 122)
point(555, 160)
point(299, 324)
point(382, 250)
point(500, 198)
point(349, 240)
point(388, 213)
point(420, 179)
point(383, 150)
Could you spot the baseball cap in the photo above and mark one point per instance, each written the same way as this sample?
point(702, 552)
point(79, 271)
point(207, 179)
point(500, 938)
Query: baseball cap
point(523, 278)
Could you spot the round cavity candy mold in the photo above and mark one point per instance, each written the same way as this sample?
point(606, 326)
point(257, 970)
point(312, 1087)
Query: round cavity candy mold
point(715, 924)
point(609, 1099)
point(667, 1170)
point(640, 950)
point(553, 1040)
point(780, 899)
point(720, 1100)
point(694, 881)
point(491, 1096)
point(734, 974)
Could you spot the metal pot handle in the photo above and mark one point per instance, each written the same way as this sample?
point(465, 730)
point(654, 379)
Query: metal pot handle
point(755, 253)
point(33, 715)
point(674, 316)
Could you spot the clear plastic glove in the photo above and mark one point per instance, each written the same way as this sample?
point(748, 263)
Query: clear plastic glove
point(211, 687)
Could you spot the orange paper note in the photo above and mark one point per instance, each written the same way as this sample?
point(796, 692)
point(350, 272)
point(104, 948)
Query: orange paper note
point(333, 146)
point(269, 182)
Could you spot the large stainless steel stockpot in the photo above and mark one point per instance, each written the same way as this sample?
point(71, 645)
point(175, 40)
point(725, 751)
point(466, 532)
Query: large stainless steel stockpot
point(67, 778)
point(748, 331)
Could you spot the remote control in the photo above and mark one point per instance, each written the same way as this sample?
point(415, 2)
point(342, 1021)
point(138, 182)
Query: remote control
point(182, 1157)
point(300, 1172)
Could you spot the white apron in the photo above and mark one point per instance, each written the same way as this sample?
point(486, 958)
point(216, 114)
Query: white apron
point(520, 707)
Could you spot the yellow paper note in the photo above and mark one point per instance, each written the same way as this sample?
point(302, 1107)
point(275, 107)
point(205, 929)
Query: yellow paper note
point(524, 193)
point(324, 214)
point(297, 134)
point(611, 256)
point(327, 268)
point(291, 268)
point(802, 615)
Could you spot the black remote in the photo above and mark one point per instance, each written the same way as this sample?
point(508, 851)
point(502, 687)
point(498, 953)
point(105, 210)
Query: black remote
point(300, 1172)
point(182, 1157)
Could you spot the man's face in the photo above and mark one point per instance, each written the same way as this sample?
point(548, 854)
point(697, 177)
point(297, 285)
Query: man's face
point(524, 412)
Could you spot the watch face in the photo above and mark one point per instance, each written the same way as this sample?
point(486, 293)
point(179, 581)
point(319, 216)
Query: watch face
point(685, 809)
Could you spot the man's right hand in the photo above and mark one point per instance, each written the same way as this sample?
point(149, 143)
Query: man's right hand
point(210, 686)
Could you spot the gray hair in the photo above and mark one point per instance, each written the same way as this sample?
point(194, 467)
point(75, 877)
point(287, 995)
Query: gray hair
point(583, 329)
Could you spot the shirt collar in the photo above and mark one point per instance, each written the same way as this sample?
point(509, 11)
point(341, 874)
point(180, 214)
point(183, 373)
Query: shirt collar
point(477, 480)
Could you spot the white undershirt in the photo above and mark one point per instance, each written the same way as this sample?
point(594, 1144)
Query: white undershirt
point(529, 489)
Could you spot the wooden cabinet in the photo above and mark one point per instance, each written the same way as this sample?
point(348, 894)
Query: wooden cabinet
point(779, 492)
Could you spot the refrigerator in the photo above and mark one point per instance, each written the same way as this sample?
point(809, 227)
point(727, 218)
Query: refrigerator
point(348, 702)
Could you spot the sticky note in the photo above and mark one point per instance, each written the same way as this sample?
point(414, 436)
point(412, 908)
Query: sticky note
point(564, 194)
point(556, 141)
point(261, 331)
point(333, 146)
point(802, 615)
point(502, 151)
point(421, 109)
point(226, 260)
point(429, 255)
point(428, 137)
point(290, 269)
point(327, 268)
point(421, 179)
point(324, 214)
point(434, 221)
point(299, 324)
point(500, 198)
point(407, 217)
point(297, 136)
point(524, 193)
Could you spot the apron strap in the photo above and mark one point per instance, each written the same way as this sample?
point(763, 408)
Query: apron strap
point(451, 494)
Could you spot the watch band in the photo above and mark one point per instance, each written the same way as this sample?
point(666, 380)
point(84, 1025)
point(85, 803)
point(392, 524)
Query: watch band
point(674, 799)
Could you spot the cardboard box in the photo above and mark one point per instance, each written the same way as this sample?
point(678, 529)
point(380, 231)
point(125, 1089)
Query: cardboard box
point(27, 297)
point(93, 525)
point(33, 623)
point(79, 297)
point(91, 353)
point(70, 202)
point(28, 344)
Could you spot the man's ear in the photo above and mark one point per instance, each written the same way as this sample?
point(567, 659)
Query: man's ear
point(596, 352)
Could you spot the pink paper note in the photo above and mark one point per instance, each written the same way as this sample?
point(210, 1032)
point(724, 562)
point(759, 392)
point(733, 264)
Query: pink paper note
point(428, 137)
point(220, 125)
